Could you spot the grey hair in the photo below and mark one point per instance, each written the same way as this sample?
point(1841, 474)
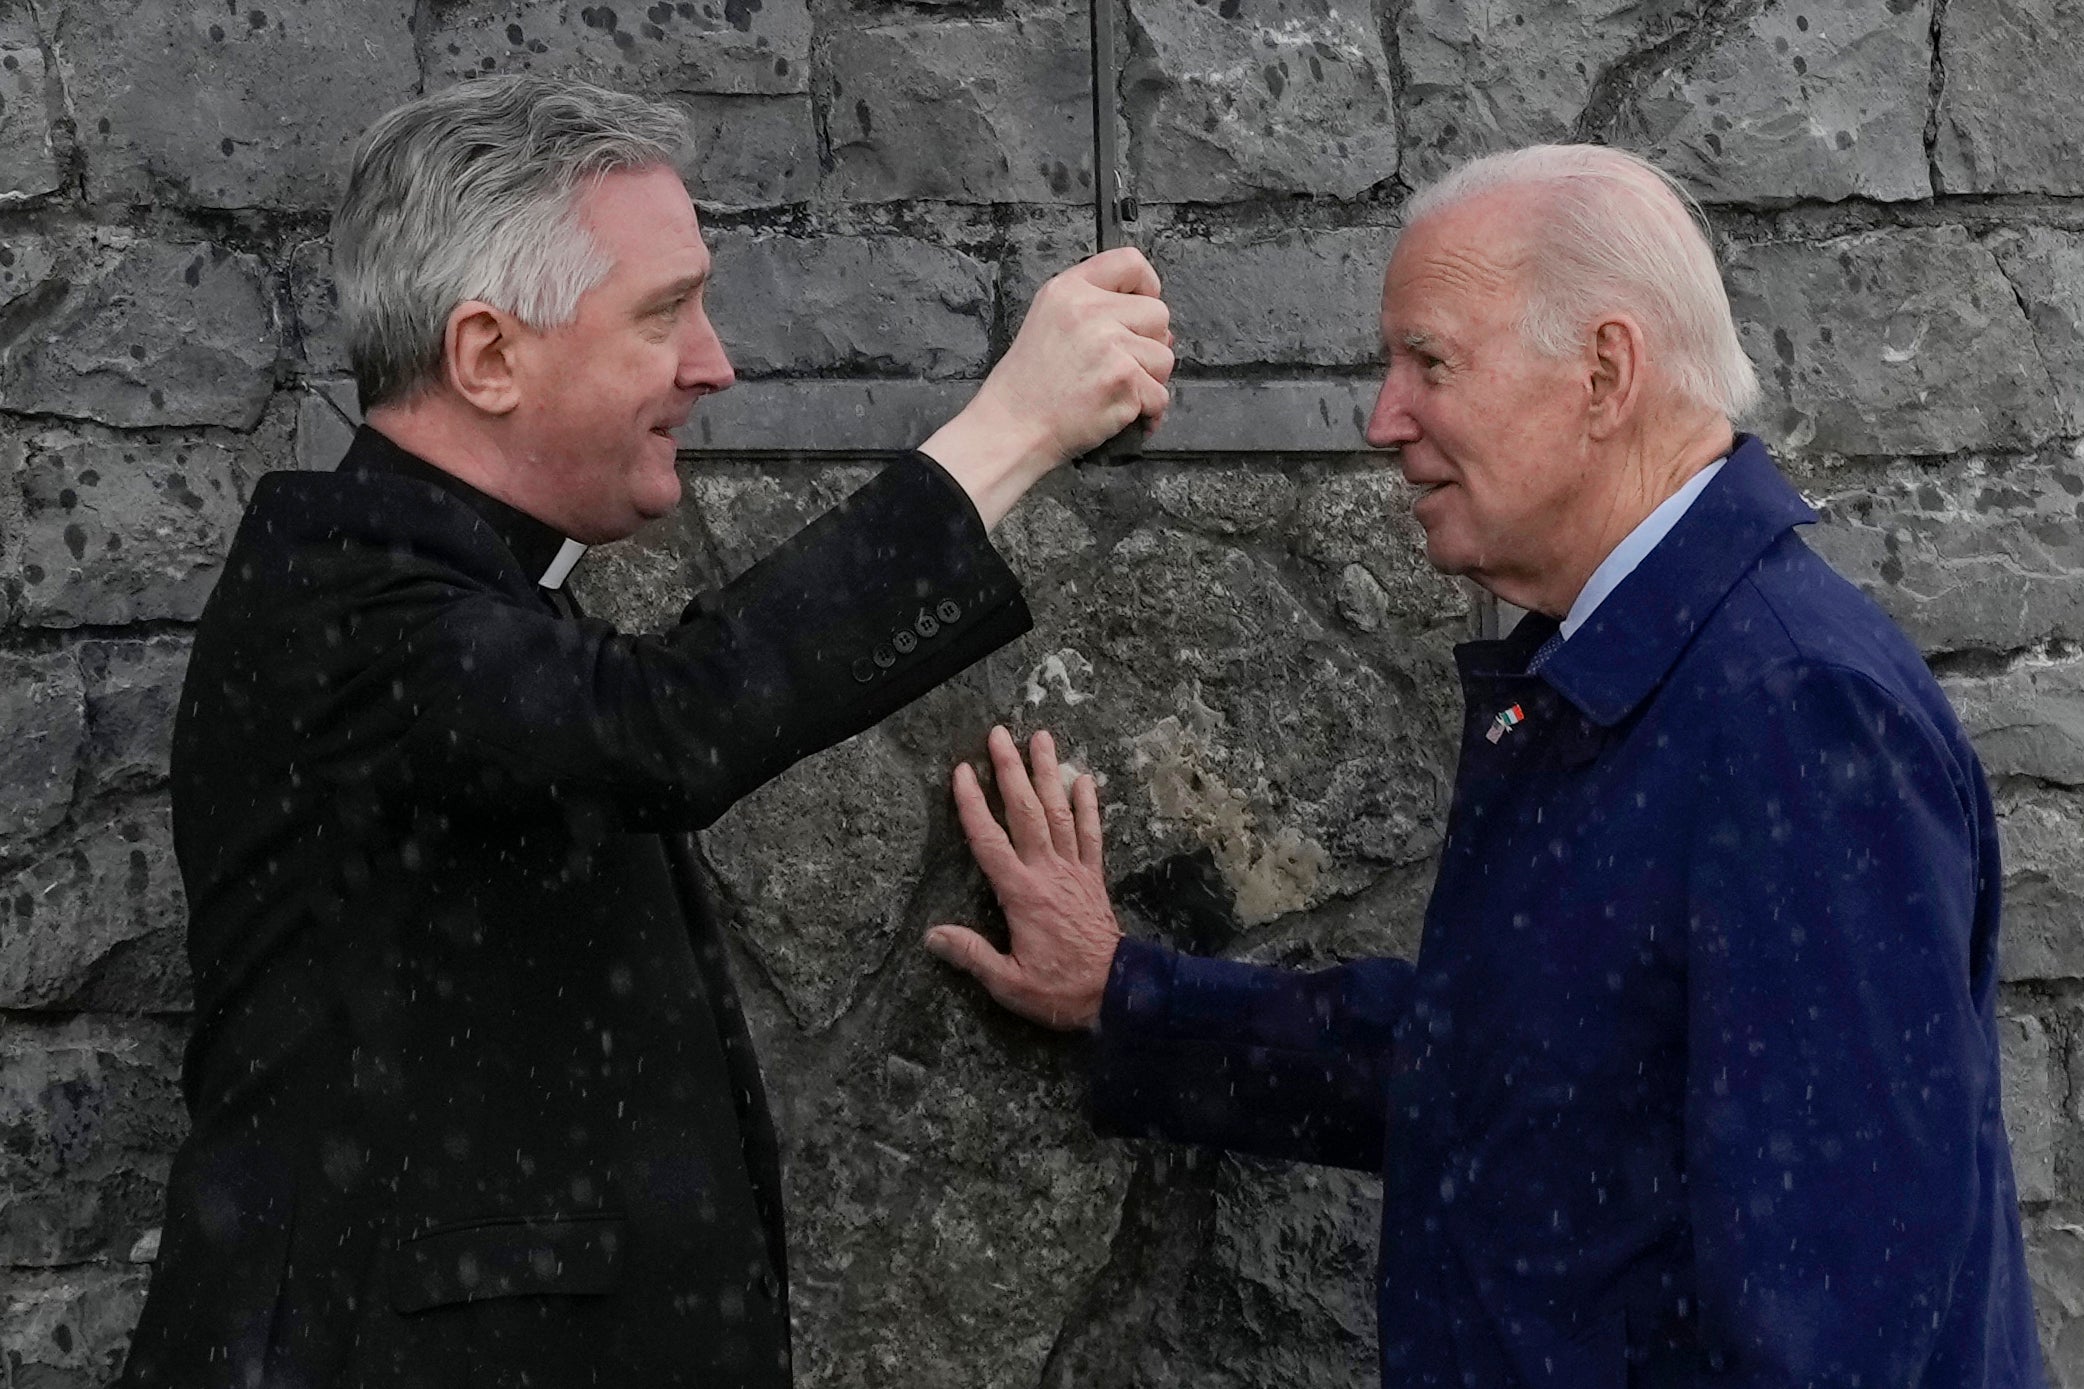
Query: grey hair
point(1612, 231)
point(472, 193)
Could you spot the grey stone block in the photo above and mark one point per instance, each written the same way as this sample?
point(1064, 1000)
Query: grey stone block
point(2027, 722)
point(1305, 298)
point(2032, 1104)
point(751, 151)
point(974, 110)
point(151, 333)
point(121, 528)
point(98, 922)
point(327, 414)
point(26, 262)
point(28, 159)
point(1796, 101)
point(90, 1113)
point(1225, 499)
point(219, 106)
point(2041, 834)
point(2055, 1264)
point(69, 1328)
point(734, 46)
point(1482, 78)
point(820, 864)
point(132, 687)
point(1360, 518)
point(2008, 119)
point(1982, 557)
point(888, 303)
point(1907, 341)
point(2046, 269)
point(1248, 97)
point(43, 732)
point(320, 338)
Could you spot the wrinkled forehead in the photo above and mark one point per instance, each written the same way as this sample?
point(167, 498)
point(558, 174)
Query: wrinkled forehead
point(1464, 262)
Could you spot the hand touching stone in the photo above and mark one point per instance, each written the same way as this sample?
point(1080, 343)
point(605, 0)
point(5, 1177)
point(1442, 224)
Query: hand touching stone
point(1045, 867)
point(1093, 355)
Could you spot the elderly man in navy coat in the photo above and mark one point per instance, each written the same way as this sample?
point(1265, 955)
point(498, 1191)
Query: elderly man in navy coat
point(1695, 1078)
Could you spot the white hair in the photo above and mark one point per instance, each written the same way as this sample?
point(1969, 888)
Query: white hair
point(1609, 232)
point(472, 193)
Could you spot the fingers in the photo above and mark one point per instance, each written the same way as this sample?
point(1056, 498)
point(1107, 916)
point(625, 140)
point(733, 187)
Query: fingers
point(1146, 318)
point(1025, 822)
point(1085, 814)
point(988, 841)
point(1049, 789)
point(1123, 270)
point(974, 956)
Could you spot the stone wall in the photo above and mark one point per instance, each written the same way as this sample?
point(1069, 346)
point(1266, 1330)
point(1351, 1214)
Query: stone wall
point(1242, 639)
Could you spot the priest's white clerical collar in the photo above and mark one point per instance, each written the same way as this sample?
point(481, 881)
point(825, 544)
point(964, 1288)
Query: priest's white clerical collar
point(561, 567)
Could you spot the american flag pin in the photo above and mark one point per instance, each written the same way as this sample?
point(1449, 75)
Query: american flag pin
point(1506, 721)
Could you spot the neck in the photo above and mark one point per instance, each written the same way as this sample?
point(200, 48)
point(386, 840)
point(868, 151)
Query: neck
point(432, 427)
point(1646, 469)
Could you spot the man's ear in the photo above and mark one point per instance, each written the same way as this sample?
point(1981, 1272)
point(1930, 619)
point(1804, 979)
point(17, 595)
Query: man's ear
point(1617, 376)
point(480, 353)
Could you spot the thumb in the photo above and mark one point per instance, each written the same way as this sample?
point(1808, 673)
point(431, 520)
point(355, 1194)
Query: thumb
point(972, 954)
point(1124, 270)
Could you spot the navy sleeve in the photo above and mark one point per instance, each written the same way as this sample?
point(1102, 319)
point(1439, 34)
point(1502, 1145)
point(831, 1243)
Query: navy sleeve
point(1839, 1070)
point(1273, 1062)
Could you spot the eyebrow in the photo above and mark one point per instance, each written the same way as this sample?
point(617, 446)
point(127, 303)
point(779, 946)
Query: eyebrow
point(680, 288)
point(1419, 341)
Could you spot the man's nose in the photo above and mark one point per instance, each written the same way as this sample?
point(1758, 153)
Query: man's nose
point(704, 365)
point(1391, 423)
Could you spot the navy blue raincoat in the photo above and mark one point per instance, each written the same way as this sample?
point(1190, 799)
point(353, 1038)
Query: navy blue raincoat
point(1695, 1078)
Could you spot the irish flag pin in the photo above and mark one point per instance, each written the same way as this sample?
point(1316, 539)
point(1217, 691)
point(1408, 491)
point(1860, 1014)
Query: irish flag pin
point(1506, 721)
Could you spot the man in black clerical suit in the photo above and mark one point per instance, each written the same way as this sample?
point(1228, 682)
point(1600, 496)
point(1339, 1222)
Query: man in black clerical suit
point(473, 1100)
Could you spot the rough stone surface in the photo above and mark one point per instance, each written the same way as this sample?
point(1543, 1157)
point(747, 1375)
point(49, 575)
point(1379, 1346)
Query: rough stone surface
point(1796, 101)
point(751, 152)
point(1981, 556)
point(735, 46)
point(269, 98)
point(2012, 67)
point(2033, 1096)
point(1890, 342)
point(132, 688)
point(885, 304)
point(123, 527)
point(151, 333)
point(42, 733)
point(89, 1117)
point(26, 261)
point(28, 159)
point(2041, 836)
point(68, 1329)
point(320, 338)
point(2027, 722)
point(1295, 297)
point(98, 923)
point(1237, 98)
point(910, 119)
point(2046, 268)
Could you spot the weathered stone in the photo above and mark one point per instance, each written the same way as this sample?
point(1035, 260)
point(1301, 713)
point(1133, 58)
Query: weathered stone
point(2006, 118)
point(1248, 97)
point(912, 116)
point(26, 261)
point(42, 730)
point(1228, 501)
point(151, 333)
point(1294, 298)
point(98, 923)
point(120, 528)
point(819, 865)
point(327, 416)
point(1482, 78)
point(14, 450)
point(132, 688)
point(2032, 1104)
point(948, 1201)
point(751, 151)
point(28, 161)
point(1361, 517)
point(320, 339)
point(1890, 342)
point(888, 304)
point(663, 49)
point(68, 1329)
point(209, 105)
point(1981, 556)
point(2041, 839)
point(2027, 722)
point(2046, 268)
point(90, 1113)
point(1793, 102)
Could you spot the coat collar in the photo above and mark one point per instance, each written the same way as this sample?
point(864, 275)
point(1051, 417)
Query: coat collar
point(545, 552)
point(1635, 637)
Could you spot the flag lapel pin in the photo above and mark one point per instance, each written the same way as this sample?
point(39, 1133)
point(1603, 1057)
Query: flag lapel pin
point(1507, 720)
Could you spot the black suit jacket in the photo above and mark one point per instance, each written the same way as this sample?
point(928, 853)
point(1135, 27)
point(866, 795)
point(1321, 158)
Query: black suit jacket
point(472, 1099)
